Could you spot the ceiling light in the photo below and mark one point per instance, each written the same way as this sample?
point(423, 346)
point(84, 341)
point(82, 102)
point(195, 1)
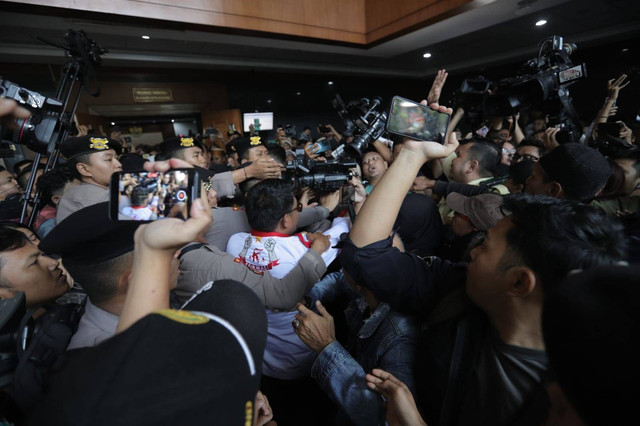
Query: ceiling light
point(113, 124)
point(426, 55)
point(173, 121)
point(298, 93)
point(146, 37)
point(330, 83)
point(268, 101)
point(625, 50)
point(540, 23)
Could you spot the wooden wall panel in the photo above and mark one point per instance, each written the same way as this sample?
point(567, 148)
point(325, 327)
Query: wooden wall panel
point(209, 95)
point(351, 21)
point(385, 18)
point(221, 119)
point(324, 19)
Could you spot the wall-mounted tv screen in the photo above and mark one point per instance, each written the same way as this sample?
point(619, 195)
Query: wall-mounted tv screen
point(260, 120)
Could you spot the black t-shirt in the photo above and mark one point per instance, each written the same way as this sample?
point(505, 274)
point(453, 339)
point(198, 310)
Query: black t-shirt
point(490, 379)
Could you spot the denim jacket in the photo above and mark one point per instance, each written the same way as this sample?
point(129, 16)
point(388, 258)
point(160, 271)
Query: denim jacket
point(385, 339)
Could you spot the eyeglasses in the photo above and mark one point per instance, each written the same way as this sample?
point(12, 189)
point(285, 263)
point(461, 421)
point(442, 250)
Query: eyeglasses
point(526, 157)
point(298, 208)
point(510, 152)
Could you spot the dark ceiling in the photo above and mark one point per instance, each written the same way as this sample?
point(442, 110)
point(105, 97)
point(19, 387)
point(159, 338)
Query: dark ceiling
point(492, 38)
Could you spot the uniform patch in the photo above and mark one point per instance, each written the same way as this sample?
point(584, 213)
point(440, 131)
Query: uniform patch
point(186, 142)
point(184, 317)
point(99, 143)
point(255, 140)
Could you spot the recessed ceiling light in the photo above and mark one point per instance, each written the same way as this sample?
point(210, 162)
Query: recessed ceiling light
point(330, 83)
point(268, 101)
point(173, 121)
point(146, 37)
point(426, 55)
point(298, 93)
point(113, 124)
point(625, 50)
point(540, 23)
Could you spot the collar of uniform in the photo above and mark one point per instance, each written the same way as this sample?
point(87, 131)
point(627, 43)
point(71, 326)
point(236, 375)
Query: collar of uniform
point(268, 234)
point(478, 181)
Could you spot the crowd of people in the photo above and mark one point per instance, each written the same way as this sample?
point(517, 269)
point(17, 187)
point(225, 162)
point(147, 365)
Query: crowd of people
point(489, 280)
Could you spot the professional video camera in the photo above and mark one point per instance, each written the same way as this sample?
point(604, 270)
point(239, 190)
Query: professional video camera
point(322, 177)
point(365, 120)
point(542, 82)
point(36, 131)
point(50, 121)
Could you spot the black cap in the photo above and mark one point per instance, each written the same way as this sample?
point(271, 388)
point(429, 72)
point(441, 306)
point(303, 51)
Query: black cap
point(73, 147)
point(582, 171)
point(231, 147)
point(206, 362)
point(244, 144)
point(132, 162)
point(171, 145)
point(89, 235)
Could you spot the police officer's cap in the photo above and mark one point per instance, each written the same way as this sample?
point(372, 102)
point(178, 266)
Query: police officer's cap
point(89, 235)
point(89, 144)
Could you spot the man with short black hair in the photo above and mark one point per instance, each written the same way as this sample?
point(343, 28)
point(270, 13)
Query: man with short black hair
point(484, 356)
point(529, 149)
point(23, 267)
point(250, 149)
point(373, 167)
point(273, 213)
point(570, 172)
point(92, 160)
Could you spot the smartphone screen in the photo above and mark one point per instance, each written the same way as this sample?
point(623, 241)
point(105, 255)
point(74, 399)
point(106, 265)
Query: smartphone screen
point(147, 196)
point(415, 121)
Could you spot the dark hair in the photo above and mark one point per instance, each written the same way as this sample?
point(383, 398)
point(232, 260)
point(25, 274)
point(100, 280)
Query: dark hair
point(554, 237)
point(15, 225)
point(99, 280)
point(138, 195)
point(82, 158)
point(615, 184)
point(590, 325)
point(23, 176)
point(267, 202)
point(17, 168)
point(487, 156)
point(278, 153)
point(519, 172)
point(533, 142)
point(52, 183)
point(10, 239)
point(630, 154)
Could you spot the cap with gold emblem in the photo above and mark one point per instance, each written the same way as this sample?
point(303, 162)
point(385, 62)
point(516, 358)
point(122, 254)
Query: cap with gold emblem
point(171, 145)
point(89, 144)
point(244, 144)
point(207, 359)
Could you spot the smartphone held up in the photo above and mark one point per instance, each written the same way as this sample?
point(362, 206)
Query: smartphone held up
point(147, 196)
point(415, 121)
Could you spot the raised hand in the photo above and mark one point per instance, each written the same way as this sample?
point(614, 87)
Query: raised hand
point(265, 168)
point(615, 85)
point(401, 407)
point(436, 87)
point(433, 150)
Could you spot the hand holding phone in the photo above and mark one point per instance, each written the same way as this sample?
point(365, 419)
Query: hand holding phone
point(416, 121)
point(145, 196)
